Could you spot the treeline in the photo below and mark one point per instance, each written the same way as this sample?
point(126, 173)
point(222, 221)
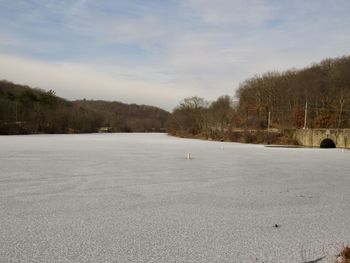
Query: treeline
point(319, 94)
point(128, 117)
point(322, 90)
point(24, 110)
point(196, 116)
point(315, 97)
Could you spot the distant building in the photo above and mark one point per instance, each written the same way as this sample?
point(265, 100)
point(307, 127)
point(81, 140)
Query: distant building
point(105, 129)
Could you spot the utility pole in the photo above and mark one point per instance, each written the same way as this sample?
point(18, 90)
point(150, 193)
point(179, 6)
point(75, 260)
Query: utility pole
point(16, 111)
point(305, 117)
point(269, 121)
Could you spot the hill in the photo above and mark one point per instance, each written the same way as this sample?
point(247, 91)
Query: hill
point(26, 110)
point(323, 90)
point(317, 96)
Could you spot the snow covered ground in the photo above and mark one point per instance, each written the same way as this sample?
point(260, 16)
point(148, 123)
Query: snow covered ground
point(136, 198)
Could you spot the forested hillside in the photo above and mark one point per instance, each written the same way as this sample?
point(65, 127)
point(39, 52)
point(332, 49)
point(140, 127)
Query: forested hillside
point(323, 88)
point(127, 117)
point(26, 110)
point(320, 92)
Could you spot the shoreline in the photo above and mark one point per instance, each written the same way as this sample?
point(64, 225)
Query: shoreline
point(267, 138)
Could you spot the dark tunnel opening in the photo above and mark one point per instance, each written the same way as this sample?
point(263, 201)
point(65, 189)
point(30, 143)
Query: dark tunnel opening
point(327, 143)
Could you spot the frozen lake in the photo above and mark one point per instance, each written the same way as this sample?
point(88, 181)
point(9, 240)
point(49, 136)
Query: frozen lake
point(135, 198)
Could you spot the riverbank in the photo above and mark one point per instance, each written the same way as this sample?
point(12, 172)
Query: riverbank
point(244, 136)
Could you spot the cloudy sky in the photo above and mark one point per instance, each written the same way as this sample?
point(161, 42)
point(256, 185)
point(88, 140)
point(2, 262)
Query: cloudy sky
point(160, 51)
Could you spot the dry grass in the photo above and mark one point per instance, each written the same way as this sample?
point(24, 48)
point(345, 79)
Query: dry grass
point(344, 255)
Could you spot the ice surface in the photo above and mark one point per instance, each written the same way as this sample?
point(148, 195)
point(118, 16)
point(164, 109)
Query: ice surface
point(136, 198)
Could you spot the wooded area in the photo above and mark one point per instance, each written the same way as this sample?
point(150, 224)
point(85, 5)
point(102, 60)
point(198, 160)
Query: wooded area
point(24, 110)
point(319, 94)
point(315, 97)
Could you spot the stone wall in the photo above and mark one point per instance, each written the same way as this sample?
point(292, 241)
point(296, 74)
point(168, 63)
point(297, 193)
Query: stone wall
point(314, 137)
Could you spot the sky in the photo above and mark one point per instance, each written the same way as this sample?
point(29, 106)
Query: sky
point(158, 52)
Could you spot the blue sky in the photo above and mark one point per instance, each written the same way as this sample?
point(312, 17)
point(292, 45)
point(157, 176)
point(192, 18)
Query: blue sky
point(160, 51)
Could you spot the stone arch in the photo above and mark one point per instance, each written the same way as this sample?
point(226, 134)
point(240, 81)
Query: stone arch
point(327, 143)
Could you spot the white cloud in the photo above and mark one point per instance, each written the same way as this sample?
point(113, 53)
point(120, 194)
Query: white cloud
point(202, 47)
point(145, 30)
point(8, 40)
point(77, 81)
point(232, 12)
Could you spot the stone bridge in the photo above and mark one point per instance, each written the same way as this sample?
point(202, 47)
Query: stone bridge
point(323, 138)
